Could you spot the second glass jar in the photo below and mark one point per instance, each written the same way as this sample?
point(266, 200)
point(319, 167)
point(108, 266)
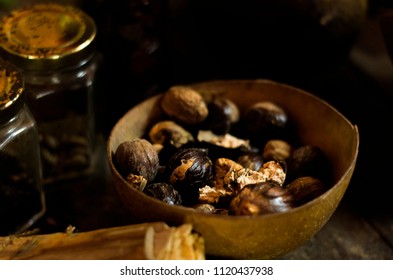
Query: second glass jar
point(22, 200)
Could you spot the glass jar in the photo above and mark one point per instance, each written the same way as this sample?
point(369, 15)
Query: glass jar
point(53, 45)
point(22, 200)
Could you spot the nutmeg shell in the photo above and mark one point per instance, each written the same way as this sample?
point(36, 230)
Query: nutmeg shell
point(261, 198)
point(169, 133)
point(163, 192)
point(188, 170)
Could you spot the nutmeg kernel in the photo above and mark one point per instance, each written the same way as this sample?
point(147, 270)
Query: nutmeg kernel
point(276, 149)
point(305, 189)
point(185, 105)
point(137, 157)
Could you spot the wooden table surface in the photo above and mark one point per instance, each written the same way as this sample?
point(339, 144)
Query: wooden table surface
point(361, 227)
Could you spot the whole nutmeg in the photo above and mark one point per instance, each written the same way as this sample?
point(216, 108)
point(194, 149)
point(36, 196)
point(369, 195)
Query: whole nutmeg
point(261, 198)
point(188, 170)
point(305, 189)
point(252, 160)
point(137, 157)
point(222, 114)
point(308, 160)
point(185, 105)
point(265, 120)
point(276, 149)
point(163, 192)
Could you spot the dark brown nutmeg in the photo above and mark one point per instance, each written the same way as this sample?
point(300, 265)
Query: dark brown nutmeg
point(188, 170)
point(305, 189)
point(163, 192)
point(261, 198)
point(222, 114)
point(265, 120)
point(253, 161)
point(137, 157)
point(308, 160)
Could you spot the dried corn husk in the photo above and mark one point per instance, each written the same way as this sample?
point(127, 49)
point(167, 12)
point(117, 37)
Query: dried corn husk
point(135, 242)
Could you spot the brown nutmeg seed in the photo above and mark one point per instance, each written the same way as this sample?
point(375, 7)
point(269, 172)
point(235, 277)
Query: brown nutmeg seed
point(137, 157)
point(185, 105)
point(305, 189)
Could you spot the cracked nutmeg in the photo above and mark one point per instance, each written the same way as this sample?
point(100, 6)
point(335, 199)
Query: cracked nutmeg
point(188, 170)
point(259, 199)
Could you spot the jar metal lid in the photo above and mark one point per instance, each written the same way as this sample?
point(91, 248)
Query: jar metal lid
point(11, 90)
point(47, 36)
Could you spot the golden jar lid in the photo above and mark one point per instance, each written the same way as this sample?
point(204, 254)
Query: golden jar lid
point(47, 36)
point(11, 89)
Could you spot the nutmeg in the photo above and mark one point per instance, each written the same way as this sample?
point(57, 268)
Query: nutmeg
point(185, 105)
point(251, 160)
point(305, 189)
point(265, 120)
point(276, 149)
point(137, 157)
point(188, 170)
point(222, 114)
point(169, 133)
point(163, 192)
point(308, 160)
point(262, 198)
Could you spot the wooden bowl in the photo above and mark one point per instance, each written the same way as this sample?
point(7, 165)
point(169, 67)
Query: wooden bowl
point(243, 237)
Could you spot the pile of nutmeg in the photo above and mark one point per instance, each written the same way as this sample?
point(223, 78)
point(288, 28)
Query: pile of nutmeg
point(208, 155)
